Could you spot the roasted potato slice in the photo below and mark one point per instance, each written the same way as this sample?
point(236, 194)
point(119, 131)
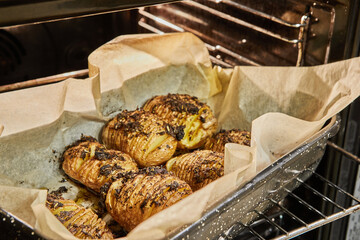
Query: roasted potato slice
point(142, 135)
point(197, 168)
point(133, 199)
point(192, 121)
point(218, 141)
point(81, 222)
point(90, 163)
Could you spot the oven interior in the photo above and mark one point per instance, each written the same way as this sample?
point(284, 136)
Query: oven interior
point(236, 32)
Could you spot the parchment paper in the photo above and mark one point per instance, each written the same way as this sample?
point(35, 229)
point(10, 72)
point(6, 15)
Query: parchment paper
point(282, 106)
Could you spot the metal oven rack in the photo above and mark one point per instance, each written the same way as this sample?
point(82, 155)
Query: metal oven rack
point(235, 33)
point(286, 221)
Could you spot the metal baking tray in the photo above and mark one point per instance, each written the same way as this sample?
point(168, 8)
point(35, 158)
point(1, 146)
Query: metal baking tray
point(275, 183)
point(241, 205)
point(12, 227)
point(19, 12)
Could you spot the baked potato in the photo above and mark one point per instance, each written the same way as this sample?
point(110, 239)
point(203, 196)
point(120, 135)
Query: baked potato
point(191, 121)
point(142, 135)
point(90, 163)
point(218, 141)
point(136, 197)
point(81, 222)
point(197, 168)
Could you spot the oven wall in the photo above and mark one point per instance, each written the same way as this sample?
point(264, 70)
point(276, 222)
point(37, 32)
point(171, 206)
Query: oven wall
point(39, 50)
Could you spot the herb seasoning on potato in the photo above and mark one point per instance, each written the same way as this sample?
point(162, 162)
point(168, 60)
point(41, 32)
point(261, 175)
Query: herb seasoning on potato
point(142, 135)
point(136, 197)
point(81, 222)
point(191, 120)
point(90, 163)
point(197, 168)
point(218, 141)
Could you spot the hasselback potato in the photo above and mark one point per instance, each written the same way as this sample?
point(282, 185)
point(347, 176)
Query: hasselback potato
point(197, 168)
point(90, 163)
point(142, 135)
point(218, 141)
point(191, 120)
point(81, 222)
point(133, 199)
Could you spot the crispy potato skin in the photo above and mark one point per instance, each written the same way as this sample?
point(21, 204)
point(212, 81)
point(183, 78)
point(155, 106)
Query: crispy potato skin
point(197, 168)
point(218, 141)
point(142, 135)
point(90, 163)
point(132, 200)
point(81, 222)
point(192, 121)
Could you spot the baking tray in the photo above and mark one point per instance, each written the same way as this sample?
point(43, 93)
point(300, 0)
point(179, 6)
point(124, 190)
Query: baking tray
point(274, 182)
point(241, 205)
point(12, 227)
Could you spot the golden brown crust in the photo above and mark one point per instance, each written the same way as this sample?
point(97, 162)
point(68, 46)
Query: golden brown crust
point(90, 163)
point(218, 141)
point(132, 200)
point(81, 222)
point(198, 168)
point(142, 135)
point(191, 121)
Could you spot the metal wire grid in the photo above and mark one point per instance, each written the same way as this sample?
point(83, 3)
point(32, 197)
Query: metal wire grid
point(220, 53)
point(291, 221)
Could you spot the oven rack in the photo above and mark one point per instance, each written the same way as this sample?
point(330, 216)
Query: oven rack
point(286, 222)
point(165, 18)
point(217, 53)
point(273, 219)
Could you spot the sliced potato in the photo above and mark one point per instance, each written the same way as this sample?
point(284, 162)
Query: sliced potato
point(197, 168)
point(133, 199)
point(218, 141)
point(142, 135)
point(191, 121)
point(81, 222)
point(90, 163)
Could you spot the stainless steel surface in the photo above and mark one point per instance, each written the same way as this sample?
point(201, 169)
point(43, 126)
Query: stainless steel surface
point(24, 12)
point(250, 201)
